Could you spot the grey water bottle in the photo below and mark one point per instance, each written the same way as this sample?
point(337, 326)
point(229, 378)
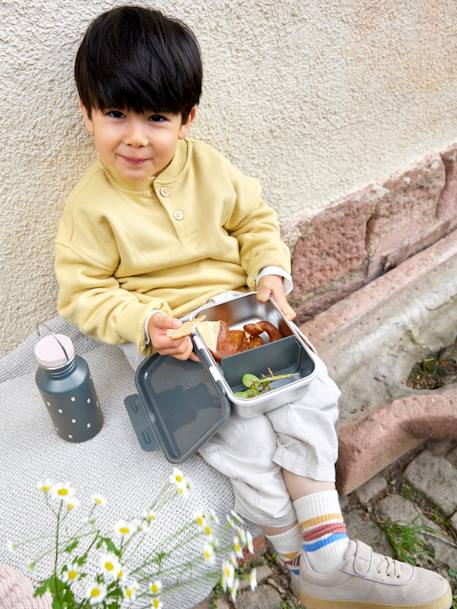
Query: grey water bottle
point(66, 387)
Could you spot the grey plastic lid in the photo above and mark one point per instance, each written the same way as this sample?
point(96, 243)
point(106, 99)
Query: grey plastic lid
point(50, 351)
point(183, 404)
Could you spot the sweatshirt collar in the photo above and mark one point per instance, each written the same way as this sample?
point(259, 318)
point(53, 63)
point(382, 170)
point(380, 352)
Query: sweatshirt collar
point(168, 175)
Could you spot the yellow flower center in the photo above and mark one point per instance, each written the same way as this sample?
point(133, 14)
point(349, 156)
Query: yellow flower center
point(95, 592)
point(178, 478)
point(207, 530)
point(109, 566)
point(45, 488)
point(63, 492)
point(120, 574)
point(129, 593)
point(72, 574)
point(124, 530)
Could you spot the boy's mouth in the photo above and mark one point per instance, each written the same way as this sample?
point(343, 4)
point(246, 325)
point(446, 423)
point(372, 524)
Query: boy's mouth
point(133, 160)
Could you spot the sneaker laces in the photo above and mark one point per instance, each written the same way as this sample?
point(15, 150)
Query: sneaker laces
point(387, 566)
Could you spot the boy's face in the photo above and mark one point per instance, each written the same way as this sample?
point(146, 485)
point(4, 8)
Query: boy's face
point(136, 146)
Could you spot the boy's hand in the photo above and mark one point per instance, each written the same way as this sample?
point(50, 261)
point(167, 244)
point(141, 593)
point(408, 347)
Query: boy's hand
point(271, 286)
point(159, 327)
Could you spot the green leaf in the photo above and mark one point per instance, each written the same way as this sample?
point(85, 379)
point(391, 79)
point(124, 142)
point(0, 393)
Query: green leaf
point(71, 546)
point(111, 546)
point(243, 394)
point(249, 379)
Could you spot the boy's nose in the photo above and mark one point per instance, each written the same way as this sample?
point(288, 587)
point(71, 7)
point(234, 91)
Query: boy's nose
point(135, 135)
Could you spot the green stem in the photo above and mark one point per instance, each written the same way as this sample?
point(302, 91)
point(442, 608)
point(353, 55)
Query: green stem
point(57, 547)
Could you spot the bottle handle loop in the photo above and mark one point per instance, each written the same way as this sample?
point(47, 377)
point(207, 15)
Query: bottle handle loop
point(41, 323)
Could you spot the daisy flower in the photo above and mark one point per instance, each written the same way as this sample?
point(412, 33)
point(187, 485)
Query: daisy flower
point(150, 516)
point(237, 517)
point(130, 591)
point(208, 553)
point(177, 477)
point(231, 523)
point(95, 592)
point(242, 535)
point(109, 564)
point(71, 503)
point(214, 516)
point(62, 490)
point(98, 500)
point(253, 579)
point(182, 489)
point(44, 486)
point(156, 603)
point(121, 574)
point(124, 528)
point(234, 589)
point(237, 547)
point(71, 573)
point(228, 575)
point(249, 542)
point(207, 531)
point(199, 518)
point(155, 587)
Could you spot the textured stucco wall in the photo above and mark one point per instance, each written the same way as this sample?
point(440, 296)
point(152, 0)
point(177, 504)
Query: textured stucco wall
point(315, 98)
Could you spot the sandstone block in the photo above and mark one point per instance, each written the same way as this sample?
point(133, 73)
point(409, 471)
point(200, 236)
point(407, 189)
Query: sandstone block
point(447, 204)
point(440, 447)
point(371, 489)
point(452, 457)
point(435, 477)
point(406, 207)
point(332, 247)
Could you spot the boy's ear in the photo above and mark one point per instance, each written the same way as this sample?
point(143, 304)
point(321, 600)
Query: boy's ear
point(87, 121)
point(185, 126)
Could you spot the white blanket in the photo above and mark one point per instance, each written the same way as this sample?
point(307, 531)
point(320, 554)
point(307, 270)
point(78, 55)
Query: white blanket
point(111, 464)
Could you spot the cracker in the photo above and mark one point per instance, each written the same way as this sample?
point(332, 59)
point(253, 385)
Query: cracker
point(187, 328)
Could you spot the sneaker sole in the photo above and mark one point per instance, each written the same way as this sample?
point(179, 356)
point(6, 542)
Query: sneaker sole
point(310, 602)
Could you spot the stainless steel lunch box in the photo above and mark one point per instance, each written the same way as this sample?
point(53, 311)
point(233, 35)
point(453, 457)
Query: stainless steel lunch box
point(290, 355)
point(180, 405)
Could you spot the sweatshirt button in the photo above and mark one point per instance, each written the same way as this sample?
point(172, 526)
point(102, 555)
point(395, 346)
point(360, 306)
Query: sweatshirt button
point(164, 191)
point(178, 214)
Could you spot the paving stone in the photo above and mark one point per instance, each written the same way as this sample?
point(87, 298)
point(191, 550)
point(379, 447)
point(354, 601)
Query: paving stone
point(205, 604)
point(452, 457)
point(368, 532)
point(454, 521)
point(398, 509)
point(439, 447)
point(265, 597)
point(435, 477)
point(371, 489)
point(263, 572)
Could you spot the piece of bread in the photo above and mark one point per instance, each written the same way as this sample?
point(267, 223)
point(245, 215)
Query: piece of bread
point(209, 331)
point(187, 328)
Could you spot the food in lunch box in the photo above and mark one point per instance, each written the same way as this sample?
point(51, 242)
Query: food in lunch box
point(187, 328)
point(256, 386)
point(222, 341)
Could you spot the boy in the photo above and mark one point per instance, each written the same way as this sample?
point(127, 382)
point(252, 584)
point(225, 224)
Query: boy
point(159, 225)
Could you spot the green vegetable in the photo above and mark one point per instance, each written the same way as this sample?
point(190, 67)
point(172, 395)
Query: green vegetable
point(256, 386)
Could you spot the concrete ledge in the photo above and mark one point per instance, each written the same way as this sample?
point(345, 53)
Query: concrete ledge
point(370, 340)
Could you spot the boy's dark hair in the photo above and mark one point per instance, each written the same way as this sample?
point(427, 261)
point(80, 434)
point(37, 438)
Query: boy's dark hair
point(138, 58)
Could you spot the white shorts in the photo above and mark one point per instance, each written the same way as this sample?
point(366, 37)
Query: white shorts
point(300, 437)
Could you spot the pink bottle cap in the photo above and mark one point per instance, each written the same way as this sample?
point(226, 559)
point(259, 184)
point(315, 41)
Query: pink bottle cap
point(50, 354)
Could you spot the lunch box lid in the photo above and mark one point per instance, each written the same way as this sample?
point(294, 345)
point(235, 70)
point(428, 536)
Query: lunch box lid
point(178, 407)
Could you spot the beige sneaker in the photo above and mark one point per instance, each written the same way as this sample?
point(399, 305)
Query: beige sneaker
point(367, 580)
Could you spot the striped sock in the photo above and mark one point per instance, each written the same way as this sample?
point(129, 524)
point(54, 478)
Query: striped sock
point(288, 545)
point(324, 532)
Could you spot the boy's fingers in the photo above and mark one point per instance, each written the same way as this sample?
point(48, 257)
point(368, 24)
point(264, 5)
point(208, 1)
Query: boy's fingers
point(285, 307)
point(263, 294)
point(165, 322)
point(194, 357)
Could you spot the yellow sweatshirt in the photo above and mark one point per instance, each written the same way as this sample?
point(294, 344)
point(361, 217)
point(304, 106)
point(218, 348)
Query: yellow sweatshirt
point(170, 242)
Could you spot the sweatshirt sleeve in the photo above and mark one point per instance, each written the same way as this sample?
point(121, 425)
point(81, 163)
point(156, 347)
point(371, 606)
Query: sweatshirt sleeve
point(256, 228)
point(89, 293)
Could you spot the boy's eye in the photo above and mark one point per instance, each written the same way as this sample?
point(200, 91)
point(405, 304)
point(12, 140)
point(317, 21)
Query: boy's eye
point(157, 118)
point(114, 113)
